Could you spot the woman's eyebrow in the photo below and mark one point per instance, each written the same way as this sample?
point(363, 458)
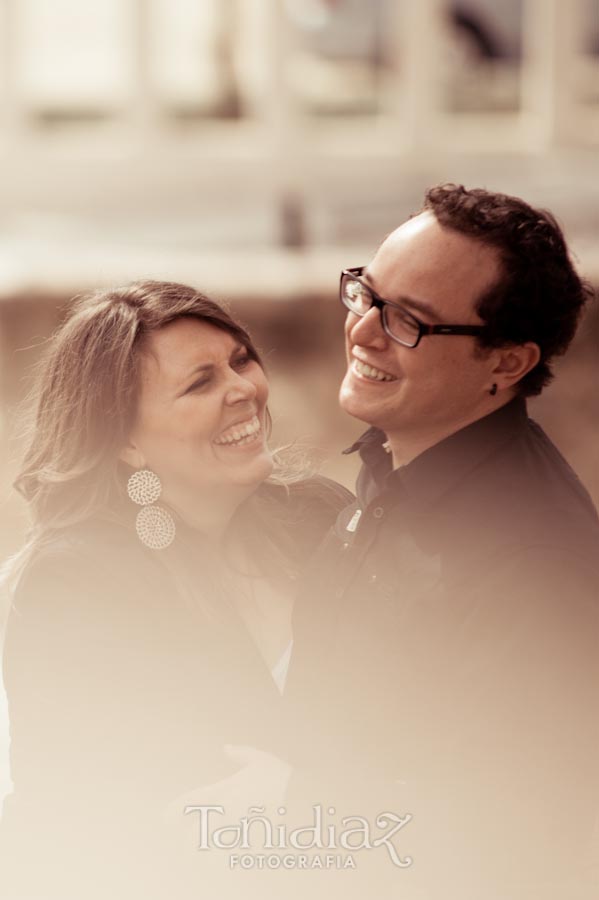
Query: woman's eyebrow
point(200, 368)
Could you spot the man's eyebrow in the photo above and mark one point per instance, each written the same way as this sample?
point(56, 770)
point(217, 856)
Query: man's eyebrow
point(419, 305)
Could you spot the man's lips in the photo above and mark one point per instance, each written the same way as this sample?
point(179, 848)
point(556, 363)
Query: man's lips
point(371, 373)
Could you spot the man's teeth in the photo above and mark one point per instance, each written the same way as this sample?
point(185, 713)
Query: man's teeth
point(371, 372)
point(240, 434)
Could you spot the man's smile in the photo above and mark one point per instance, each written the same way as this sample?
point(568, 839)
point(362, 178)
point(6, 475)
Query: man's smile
point(370, 373)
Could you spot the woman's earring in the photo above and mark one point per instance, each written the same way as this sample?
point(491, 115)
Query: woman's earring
point(154, 525)
point(493, 390)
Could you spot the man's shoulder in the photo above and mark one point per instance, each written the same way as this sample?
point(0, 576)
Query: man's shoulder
point(530, 475)
point(524, 496)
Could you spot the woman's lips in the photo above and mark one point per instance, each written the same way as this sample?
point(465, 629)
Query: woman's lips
point(239, 435)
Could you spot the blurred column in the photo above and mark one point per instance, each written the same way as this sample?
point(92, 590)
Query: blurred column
point(141, 111)
point(190, 46)
point(72, 58)
point(416, 47)
point(224, 48)
point(552, 31)
point(10, 112)
point(286, 137)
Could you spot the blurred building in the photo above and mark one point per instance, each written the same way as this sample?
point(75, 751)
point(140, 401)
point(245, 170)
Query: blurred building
point(143, 134)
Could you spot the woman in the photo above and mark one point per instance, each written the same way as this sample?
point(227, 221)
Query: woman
point(150, 623)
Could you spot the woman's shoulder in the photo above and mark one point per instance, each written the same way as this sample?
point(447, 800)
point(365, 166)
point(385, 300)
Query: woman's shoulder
point(317, 495)
point(94, 559)
point(304, 511)
point(94, 543)
point(321, 493)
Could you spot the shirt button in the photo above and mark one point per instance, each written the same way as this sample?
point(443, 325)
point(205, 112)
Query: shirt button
point(378, 512)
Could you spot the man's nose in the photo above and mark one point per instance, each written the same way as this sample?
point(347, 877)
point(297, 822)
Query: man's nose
point(367, 330)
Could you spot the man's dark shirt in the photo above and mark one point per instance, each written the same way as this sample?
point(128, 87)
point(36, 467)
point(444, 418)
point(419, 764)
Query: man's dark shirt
point(447, 657)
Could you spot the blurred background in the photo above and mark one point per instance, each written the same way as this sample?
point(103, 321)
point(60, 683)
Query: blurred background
point(253, 148)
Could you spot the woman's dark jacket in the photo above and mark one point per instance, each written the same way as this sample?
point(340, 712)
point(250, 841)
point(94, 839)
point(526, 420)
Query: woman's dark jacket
point(122, 692)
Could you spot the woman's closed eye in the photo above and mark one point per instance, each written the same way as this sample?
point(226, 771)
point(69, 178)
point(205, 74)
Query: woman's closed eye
point(198, 384)
point(241, 361)
point(238, 363)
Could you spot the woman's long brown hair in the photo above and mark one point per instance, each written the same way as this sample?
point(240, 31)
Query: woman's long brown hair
point(87, 396)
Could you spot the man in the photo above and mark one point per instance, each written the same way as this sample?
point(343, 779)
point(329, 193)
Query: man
point(446, 656)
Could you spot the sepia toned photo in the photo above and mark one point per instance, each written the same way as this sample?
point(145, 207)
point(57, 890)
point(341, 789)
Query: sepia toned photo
point(299, 429)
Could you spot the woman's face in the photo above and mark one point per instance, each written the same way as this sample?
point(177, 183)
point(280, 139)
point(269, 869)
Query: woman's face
point(200, 422)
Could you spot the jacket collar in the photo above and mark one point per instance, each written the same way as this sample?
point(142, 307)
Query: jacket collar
point(435, 471)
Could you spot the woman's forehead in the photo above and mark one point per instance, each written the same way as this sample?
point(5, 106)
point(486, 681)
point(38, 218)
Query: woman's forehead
point(183, 345)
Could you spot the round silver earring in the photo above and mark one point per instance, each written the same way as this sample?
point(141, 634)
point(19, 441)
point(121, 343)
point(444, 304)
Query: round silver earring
point(154, 525)
point(144, 487)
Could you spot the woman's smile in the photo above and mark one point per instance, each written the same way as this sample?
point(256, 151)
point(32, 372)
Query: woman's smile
point(241, 433)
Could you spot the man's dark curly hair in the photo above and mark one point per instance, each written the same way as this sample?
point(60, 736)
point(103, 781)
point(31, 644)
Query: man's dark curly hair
point(539, 297)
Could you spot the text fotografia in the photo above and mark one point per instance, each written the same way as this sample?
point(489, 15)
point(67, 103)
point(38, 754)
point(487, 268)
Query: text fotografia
point(257, 832)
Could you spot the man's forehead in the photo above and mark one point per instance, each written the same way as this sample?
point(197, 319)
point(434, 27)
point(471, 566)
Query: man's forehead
point(428, 261)
point(425, 228)
point(416, 223)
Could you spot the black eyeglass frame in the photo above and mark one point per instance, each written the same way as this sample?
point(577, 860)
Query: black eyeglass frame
point(380, 303)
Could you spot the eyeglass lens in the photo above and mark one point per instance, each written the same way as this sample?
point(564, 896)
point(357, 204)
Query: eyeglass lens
point(398, 322)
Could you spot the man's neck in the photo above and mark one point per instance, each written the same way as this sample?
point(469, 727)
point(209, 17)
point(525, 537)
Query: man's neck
point(406, 446)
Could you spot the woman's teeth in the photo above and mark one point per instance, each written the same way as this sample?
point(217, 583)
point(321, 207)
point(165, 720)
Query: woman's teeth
point(244, 433)
point(371, 372)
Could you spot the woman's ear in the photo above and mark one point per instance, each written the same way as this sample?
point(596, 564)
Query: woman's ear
point(515, 361)
point(132, 456)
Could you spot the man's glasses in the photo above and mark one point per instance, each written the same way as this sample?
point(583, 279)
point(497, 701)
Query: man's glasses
point(357, 295)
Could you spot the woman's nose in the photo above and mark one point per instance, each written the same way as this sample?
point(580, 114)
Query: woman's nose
point(240, 388)
point(367, 330)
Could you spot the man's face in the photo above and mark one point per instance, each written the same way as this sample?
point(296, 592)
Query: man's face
point(442, 384)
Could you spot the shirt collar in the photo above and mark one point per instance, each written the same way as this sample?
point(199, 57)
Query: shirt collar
point(436, 470)
point(377, 464)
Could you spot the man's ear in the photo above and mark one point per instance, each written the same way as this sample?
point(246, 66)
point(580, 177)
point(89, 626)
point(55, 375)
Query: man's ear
point(514, 361)
point(131, 455)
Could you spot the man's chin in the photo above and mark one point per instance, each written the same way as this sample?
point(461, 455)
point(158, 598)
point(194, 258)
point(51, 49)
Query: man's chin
point(355, 406)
